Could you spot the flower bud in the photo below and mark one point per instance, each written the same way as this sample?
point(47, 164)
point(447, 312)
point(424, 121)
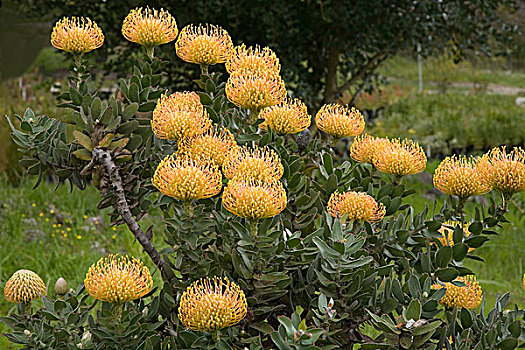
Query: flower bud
point(86, 338)
point(61, 287)
point(27, 332)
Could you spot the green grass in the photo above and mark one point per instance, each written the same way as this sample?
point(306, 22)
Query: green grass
point(31, 237)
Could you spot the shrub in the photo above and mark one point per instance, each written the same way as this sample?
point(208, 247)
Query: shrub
point(302, 250)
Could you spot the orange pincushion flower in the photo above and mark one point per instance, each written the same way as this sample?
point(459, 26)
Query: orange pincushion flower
point(255, 91)
point(468, 296)
point(253, 59)
point(118, 279)
point(340, 121)
point(179, 115)
point(212, 304)
point(254, 200)
point(288, 117)
point(149, 27)
point(77, 35)
point(357, 206)
point(186, 179)
point(213, 145)
point(460, 176)
point(365, 146)
point(24, 286)
point(260, 164)
point(400, 157)
point(204, 45)
point(447, 233)
point(504, 171)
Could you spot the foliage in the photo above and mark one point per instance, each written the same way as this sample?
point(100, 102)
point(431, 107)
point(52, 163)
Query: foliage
point(331, 276)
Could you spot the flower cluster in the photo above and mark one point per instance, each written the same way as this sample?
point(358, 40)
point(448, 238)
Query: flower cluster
point(340, 121)
point(24, 286)
point(505, 172)
point(149, 27)
point(358, 206)
point(468, 296)
point(253, 59)
point(260, 164)
point(288, 117)
point(365, 147)
point(212, 304)
point(118, 279)
point(213, 146)
point(204, 45)
point(77, 35)
point(399, 158)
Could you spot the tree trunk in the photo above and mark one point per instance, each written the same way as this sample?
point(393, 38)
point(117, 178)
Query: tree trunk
point(330, 90)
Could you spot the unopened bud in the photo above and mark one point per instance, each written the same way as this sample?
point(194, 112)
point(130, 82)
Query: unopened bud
point(86, 338)
point(30, 120)
point(27, 332)
point(425, 295)
point(61, 287)
point(145, 311)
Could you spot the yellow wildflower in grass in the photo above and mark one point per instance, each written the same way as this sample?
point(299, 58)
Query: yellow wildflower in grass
point(358, 206)
point(460, 176)
point(447, 233)
point(504, 171)
point(253, 59)
point(468, 296)
point(204, 45)
point(212, 304)
point(77, 35)
point(288, 117)
point(213, 145)
point(118, 279)
point(365, 146)
point(149, 27)
point(24, 286)
point(186, 179)
point(260, 164)
point(340, 121)
point(179, 115)
point(254, 200)
point(399, 158)
point(255, 91)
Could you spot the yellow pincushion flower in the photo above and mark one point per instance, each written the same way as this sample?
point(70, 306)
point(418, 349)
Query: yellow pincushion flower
point(149, 27)
point(255, 91)
point(24, 286)
point(340, 121)
point(447, 233)
point(204, 45)
point(260, 164)
point(504, 171)
point(358, 206)
point(468, 296)
point(288, 117)
point(399, 157)
point(118, 279)
point(212, 304)
point(213, 145)
point(254, 200)
point(77, 35)
point(460, 176)
point(364, 147)
point(179, 115)
point(253, 59)
point(186, 179)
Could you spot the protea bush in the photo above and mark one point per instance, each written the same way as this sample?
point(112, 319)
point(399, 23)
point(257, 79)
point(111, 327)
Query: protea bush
point(270, 239)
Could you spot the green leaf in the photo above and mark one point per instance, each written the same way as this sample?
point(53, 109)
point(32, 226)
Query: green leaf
point(476, 241)
point(459, 251)
point(429, 327)
point(466, 318)
point(130, 111)
point(443, 256)
point(447, 275)
point(96, 108)
point(508, 344)
point(83, 154)
point(76, 97)
point(83, 140)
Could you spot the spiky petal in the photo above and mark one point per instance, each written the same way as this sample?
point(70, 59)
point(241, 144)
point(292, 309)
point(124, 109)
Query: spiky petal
point(340, 121)
point(469, 296)
point(358, 206)
point(399, 158)
point(204, 45)
point(24, 286)
point(460, 176)
point(149, 27)
point(77, 35)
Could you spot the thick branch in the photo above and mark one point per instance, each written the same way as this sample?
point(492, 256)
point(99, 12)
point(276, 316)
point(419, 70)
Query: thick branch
point(103, 157)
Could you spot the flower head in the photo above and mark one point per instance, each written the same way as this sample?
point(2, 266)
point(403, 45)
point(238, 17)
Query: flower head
point(253, 59)
point(254, 200)
point(24, 286)
point(204, 45)
point(255, 91)
point(288, 117)
point(469, 296)
point(399, 157)
point(118, 279)
point(213, 146)
point(460, 176)
point(340, 121)
point(504, 171)
point(255, 163)
point(212, 304)
point(358, 206)
point(77, 35)
point(186, 179)
point(447, 233)
point(365, 146)
point(179, 115)
point(149, 27)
